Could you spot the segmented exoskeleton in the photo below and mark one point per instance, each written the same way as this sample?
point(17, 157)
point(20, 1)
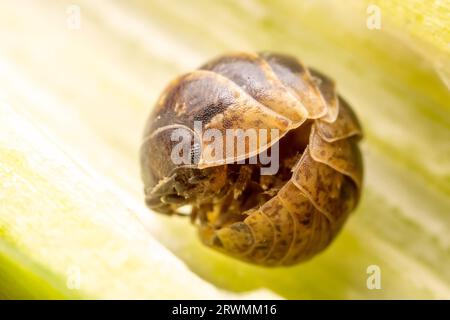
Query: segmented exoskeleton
point(270, 220)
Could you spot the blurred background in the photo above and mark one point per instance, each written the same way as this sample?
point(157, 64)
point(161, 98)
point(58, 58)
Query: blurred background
point(78, 79)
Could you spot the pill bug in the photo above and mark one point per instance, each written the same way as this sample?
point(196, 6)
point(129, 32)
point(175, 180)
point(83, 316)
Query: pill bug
point(269, 220)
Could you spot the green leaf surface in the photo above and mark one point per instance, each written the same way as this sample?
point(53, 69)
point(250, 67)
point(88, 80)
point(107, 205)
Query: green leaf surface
point(75, 106)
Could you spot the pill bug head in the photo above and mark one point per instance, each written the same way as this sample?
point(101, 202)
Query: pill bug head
point(268, 219)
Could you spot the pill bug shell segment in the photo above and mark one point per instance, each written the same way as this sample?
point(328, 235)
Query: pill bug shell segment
point(269, 220)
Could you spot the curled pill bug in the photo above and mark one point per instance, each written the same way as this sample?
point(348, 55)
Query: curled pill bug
point(280, 218)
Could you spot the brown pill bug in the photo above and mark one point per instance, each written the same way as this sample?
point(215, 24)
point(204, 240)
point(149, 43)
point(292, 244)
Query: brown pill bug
point(267, 219)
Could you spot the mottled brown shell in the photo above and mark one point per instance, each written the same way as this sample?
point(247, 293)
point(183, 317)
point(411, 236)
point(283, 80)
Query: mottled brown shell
point(267, 220)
